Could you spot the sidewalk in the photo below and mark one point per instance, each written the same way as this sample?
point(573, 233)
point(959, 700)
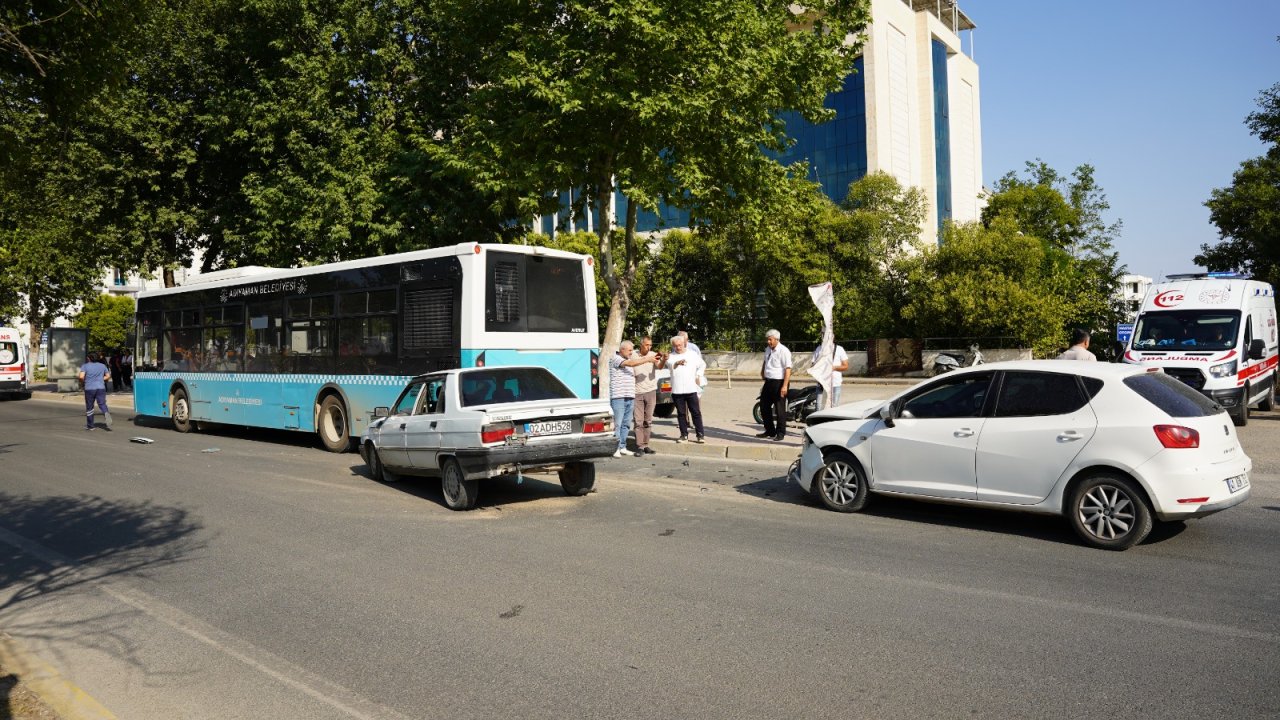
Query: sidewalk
point(726, 414)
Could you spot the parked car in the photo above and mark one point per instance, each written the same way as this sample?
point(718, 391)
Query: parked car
point(1112, 448)
point(664, 405)
point(465, 425)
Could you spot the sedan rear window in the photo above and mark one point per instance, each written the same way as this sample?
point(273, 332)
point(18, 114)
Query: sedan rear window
point(1172, 396)
point(502, 385)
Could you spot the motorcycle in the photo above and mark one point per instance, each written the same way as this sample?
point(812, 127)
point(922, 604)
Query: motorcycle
point(948, 361)
point(801, 402)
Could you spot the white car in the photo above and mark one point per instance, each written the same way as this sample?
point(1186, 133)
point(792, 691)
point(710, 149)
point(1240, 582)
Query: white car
point(468, 424)
point(1110, 447)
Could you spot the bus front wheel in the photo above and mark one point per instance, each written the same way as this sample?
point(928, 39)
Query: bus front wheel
point(332, 426)
point(181, 411)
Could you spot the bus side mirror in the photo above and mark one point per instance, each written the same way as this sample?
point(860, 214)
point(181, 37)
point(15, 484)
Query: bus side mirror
point(1257, 348)
point(886, 414)
point(381, 411)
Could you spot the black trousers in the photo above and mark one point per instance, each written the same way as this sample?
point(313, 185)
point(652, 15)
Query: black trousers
point(772, 406)
point(693, 404)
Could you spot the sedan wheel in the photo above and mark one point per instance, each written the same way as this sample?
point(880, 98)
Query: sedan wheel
point(459, 493)
point(1109, 512)
point(841, 484)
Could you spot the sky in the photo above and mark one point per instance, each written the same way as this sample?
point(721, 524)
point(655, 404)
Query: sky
point(1153, 95)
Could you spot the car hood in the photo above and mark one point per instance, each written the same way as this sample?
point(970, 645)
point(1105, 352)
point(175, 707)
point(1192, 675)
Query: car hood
point(849, 411)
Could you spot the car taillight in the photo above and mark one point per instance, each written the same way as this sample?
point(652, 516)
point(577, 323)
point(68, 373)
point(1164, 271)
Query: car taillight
point(599, 423)
point(496, 432)
point(1177, 436)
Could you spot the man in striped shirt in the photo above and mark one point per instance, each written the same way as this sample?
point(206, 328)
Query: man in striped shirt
point(622, 393)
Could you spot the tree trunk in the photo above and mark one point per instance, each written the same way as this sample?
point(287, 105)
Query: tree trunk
point(618, 276)
point(169, 280)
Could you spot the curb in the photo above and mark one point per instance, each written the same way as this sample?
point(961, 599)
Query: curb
point(62, 696)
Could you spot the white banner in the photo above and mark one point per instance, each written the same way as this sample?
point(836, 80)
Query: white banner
point(824, 297)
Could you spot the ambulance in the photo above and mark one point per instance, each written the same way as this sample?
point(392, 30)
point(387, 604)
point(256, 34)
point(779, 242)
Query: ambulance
point(13, 364)
point(1215, 332)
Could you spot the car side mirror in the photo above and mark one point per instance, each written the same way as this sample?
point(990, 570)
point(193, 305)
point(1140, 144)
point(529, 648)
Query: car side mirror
point(886, 414)
point(382, 411)
point(1257, 348)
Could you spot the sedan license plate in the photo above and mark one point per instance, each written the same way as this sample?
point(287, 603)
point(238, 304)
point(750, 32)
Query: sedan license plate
point(1237, 483)
point(550, 427)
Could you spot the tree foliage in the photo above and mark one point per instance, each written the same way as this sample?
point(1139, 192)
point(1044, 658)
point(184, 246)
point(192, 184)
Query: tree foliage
point(1247, 213)
point(108, 318)
point(662, 100)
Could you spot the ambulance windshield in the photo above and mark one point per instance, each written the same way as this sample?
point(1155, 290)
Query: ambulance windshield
point(1204, 330)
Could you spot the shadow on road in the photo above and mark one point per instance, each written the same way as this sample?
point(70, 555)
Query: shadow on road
point(52, 548)
point(494, 492)
point(1051, 528)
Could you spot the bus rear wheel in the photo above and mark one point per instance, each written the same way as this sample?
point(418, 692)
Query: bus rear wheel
point(181, 412)
point(331, 424)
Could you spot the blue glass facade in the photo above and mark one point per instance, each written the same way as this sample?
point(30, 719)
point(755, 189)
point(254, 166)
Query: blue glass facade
point(836, 150)
point(941, 132)
point(646, 220)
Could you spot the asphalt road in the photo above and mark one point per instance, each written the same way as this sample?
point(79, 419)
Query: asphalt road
point(238, 574)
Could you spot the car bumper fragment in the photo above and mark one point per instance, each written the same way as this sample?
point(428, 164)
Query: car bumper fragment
point(488, 462)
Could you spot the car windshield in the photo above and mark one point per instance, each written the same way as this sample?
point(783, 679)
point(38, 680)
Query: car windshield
point(1187, 330)
point(504, 385)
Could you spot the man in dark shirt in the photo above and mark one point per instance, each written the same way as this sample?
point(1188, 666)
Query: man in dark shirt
point(95, 375)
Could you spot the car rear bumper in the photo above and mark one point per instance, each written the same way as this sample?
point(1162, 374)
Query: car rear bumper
point(1172, 486)
point(1210, 508)
point(13, 385)
point(504, 459)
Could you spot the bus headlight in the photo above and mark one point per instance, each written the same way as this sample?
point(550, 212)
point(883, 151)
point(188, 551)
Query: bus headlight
point(1226, 369)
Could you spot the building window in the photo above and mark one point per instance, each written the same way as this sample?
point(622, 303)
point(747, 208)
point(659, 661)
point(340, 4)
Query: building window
point(941, 132)
point(836, 150)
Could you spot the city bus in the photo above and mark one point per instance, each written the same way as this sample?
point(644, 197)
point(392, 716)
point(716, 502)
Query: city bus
point(316, 349)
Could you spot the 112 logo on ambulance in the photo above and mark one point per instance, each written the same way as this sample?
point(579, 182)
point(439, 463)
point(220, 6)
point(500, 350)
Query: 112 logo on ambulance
point(1169, 298)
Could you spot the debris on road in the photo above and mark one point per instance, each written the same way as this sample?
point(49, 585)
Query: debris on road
point(141, 440)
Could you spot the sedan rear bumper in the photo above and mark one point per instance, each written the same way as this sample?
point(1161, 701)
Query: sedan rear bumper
point(504, 459)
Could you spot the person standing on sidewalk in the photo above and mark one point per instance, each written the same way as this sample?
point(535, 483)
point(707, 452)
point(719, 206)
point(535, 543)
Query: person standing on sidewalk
point(776, 373)
point(1079, 349)
point(95, 375)
point(117, 377)
point(687, 373)
point(646, 393)
point(126, 369)
point(839, 363)
point(622, 393)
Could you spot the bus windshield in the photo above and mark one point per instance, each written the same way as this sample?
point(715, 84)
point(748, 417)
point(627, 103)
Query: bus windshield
point(1187, 330)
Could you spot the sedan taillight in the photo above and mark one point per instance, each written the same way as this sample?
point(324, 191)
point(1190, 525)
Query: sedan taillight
point(496, 432)
point(597, 423)
point(1177, 436)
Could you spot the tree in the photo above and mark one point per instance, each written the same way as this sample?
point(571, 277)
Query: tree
point(108, 318)
point(1066, 213)
point(1247, 213)
point(988, 282)
point(876, 254)
point(664, 101)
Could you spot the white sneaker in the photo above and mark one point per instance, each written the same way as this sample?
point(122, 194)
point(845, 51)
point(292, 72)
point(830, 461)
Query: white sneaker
point(618, 453)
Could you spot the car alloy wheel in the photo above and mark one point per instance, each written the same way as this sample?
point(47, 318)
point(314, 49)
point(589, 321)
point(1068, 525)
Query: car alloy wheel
point(841, 484)
point(1109, 512)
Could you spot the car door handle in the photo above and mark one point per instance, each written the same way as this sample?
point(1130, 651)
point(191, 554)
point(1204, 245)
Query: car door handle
point(433, 424)
point(402, 426)
point(1070, 435)
point(964, 432)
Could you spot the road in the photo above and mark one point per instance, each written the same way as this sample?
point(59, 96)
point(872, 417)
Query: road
point(239, 574)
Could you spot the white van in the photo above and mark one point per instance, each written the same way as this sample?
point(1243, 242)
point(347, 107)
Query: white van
point(1214, 331)
point(13, 363)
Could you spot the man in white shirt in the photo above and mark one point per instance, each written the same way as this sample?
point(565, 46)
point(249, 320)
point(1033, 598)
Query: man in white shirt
point(776, 373)
point(1079, 349)
point(839, 363)
point(687, 371)
point(622, 393)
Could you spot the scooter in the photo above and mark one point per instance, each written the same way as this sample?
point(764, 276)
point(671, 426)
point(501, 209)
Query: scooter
point(948, 361)
point(801, 402)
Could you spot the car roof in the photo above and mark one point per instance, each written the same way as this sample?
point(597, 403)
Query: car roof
point(1087, 368)
point(463, 371)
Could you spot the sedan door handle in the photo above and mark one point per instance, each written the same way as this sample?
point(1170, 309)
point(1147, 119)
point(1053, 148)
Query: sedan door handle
point(433, 424)
point(964, 432)
point(1070, 435)
point(401, 426)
